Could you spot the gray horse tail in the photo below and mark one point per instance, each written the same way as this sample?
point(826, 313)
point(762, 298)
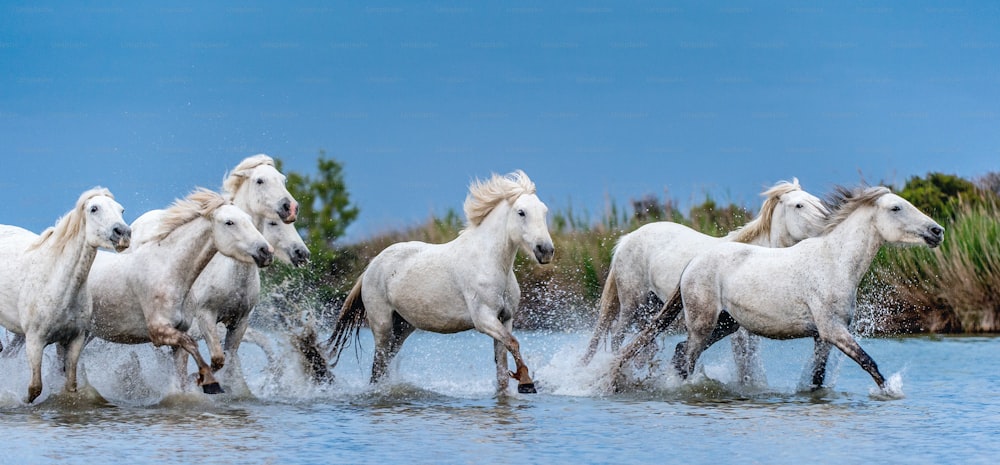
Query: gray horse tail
point(610, 308)
point(352, 316)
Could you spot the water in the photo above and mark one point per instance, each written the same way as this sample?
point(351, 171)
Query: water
point(439, 407)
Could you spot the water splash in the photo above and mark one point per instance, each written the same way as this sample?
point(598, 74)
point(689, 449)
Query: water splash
point(893, 389)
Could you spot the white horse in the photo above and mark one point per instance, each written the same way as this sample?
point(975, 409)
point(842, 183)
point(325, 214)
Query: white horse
point(228, 289)
point(650, 260)
point(139, 296)
point(467, 283)
point(807, 290)
point(43, 280)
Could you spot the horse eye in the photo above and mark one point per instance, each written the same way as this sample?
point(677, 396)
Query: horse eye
point(799, 205)
point(272, 223)
point(896, 208)
point(229, 223)
point(93, 209)
point(260, 180)
point(520, 213)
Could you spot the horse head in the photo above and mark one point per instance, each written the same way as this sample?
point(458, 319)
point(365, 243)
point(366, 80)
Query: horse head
point(899, 222)
point(288, 244)
point(527, 222)
point(259, 188)
point(797, 215)
point(236, 237)
point(104, 225)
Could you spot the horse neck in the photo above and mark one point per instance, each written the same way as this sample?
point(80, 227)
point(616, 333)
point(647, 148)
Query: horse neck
point(187, 251)
point(69, 265)
point(491, 235)
point(854, 243)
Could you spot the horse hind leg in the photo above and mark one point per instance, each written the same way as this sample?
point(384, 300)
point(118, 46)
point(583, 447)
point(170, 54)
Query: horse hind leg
point(821, 353)
point(388, 342)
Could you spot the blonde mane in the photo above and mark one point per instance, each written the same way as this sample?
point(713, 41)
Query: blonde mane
point(843, 201)
point(761, 225)
point(235, 178)
point(68, 226)
point(199, 203)
point(484, 196)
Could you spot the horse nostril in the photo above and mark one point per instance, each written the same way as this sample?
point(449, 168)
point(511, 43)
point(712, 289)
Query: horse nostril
point(937, 230)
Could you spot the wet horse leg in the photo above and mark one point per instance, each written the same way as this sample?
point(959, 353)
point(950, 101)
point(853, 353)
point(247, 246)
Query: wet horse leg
point(841, 337)
point(724, 326)
point(502, 336)
point(388, 341)
point(71, 357)
point(206, 323)
point(34, 347)
point(821, 353)
point(161, 335)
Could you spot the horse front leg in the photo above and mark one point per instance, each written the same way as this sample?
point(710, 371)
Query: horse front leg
point(34, 346)
point(841, 337)
point(206, 323)
point(167, 335)
point(71, 358)
point(501, 334)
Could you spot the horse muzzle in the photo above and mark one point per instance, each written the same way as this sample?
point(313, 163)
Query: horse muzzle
point(264, 256)
point(288, 211)
point(934, 236)
point(544, 253)
point(121, 237)
point(300, 256)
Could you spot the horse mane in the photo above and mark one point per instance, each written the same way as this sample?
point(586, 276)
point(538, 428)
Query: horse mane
point(843, 201)
point(235, 178)
point(69, 225)
point(761, 225)
point(199, 203)
point(484, 196)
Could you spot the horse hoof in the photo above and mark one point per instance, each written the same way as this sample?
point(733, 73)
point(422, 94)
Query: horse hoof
point(526, 388)
point(212, 388)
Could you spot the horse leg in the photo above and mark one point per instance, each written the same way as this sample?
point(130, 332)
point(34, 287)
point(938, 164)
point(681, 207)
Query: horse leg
point(71, 358)
point(501, 334)
point(725, 326)
point(749, 368)
point(206, 323)
point(388, 341)
point(821, 352)
point(841, 337)
point(627, 312)
point(161, 335)
point(34, 346)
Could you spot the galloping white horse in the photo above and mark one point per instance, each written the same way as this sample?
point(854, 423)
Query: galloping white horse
point(464, 284)
point(139, 296)
point(807, 290)
point(651, 259)
point(228, 289)
point(43, 280)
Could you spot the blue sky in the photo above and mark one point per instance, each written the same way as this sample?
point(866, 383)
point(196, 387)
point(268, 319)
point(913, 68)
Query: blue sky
point(594, 100)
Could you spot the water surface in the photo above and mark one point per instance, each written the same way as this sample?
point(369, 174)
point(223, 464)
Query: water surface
point(439, 406)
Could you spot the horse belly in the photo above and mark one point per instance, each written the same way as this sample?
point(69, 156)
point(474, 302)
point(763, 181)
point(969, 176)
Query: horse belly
point(781, 325)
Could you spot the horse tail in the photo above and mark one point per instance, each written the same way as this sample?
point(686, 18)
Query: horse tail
point(669, 312)
point(352, 315)
point(610, 308)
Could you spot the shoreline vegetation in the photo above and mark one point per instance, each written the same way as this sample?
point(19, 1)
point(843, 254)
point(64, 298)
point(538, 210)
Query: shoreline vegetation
point(952, 289)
